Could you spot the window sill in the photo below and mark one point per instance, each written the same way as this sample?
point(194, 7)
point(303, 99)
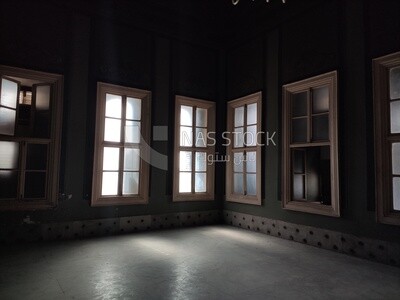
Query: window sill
point(312, 208)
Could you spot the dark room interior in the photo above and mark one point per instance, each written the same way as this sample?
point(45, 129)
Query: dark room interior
point(200, 149)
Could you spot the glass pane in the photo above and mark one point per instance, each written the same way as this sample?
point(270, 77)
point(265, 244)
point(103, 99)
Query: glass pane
point(35, 184)
point(186, 115)
point(133, 108)
point(185, 182)
point(299, 130)
point(131, 159)
point(395, 117)
point(298, 187)
point(201, 161)
point(8, 184)
point(36, 157)
point(238, 183)
point(251, 135)
point(396, 158)
point(320, 128)
point(112, 130)
point(9, 152)
point(185, 161)
point(395, 83)
point(396, 193)
point(201, 117)
point(9, 93)
point(111, 159)
point(43, 97)
point(200, 185)
point(238, 159)
point(7, 121)
point(201, 137)
point(130, 184)
point(239, 116)
point(252, 113)
point(113, 106)
point(320, 101)
point(186, 136)
point(132, 132)
point(251, 184)
point(299, 104)
point(109, 185)
point(298, 161)
point(238, 137)
point(42, 124)
point(251, 162)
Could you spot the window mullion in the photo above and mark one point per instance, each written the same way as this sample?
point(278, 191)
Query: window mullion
point(194, 149)
point(121, 149)
point(309, 116)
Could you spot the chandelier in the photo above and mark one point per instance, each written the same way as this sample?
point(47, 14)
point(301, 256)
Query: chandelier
point(235, 2)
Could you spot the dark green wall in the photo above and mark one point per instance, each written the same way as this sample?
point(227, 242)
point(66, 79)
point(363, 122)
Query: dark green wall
point(334, 35)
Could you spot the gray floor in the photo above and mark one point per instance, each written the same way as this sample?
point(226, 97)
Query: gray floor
point(216, 262)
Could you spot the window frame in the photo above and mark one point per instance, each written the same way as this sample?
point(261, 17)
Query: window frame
point(230, 195)
point(384, 139)
point(54, 142)
point(209, 195)
point(327, 79)
point(144, 171)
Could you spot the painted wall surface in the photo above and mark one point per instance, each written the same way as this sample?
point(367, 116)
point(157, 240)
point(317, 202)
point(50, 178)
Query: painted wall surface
point(334, 35)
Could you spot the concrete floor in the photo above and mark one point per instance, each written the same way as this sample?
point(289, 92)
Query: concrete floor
point(215, 262)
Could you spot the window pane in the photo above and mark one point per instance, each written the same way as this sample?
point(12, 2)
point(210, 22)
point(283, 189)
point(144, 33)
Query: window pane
point(201, 161)
point(130, 185)
point(201, 117)
point(133, 108)
point(8, 184)
point(36, 157)
point(299, 130)
point(238, 183)
point(109, 185)
point(395, 117)
point(35, 184)
point(186, 115)
point(111, 159)
point(298, 187)
point(201, 137)
point(113, 106)
point(185, 182)
point(9, 152)
point(395, 83)
point(251, 184)
point(396, 193)
point(9, 93)
point(239, 116)
point(186, 136)
point(112, 130)
point(320, 101)
point(299, 104)
point(200, 180)
point(238, 159)
point(251, 135)
point(396, 158)
point(7, 121)
point(298, 161)
point(185, 161)
point(252, 114)
point(131, 159)
point(132, 132)
point(43, 97)
point(251, 163)
point(238, 138)
point(320, 128)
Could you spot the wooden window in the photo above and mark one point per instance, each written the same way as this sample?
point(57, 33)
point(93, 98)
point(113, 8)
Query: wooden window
point(30, 133)
point(194, 134)
point(121, 169)
point(387, 137)
point(310, 147)
point(243, 169)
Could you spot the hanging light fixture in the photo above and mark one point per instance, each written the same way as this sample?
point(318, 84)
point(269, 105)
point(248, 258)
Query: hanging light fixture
point(235, 2)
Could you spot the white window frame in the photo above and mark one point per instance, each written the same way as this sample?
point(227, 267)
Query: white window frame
point(142, 197)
